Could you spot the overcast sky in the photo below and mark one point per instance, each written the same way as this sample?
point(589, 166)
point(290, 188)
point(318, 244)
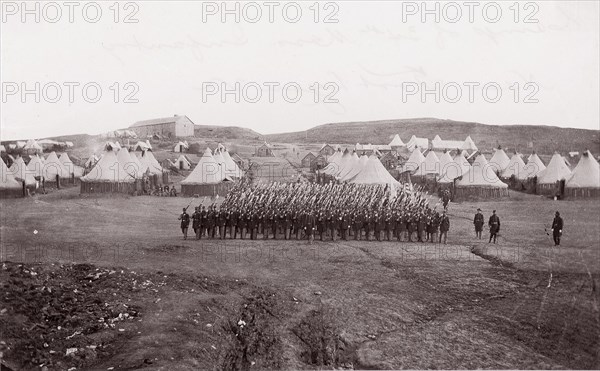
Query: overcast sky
point(374, 61)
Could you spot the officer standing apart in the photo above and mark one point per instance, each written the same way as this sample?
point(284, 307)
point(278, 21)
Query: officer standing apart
point(557, 226)
point(478, 222)
point(444, 227)
point(494, 224)
point(185, 222)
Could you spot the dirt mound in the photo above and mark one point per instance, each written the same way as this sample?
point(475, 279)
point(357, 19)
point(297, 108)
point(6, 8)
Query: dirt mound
point(252, 338)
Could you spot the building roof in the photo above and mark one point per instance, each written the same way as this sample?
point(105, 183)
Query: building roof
point(159, 121)
point(372, 147)
point(309, 154)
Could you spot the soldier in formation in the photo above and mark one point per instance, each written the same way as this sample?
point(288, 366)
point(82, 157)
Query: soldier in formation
point(346, 211)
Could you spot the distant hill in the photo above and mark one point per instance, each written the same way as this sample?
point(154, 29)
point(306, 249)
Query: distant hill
point(546, 139)
point(225, 132)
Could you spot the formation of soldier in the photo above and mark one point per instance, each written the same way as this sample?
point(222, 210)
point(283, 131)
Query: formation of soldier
point(332, 211)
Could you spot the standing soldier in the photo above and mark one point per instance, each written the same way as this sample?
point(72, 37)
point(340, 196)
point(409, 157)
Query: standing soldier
point(309, 225)
point(185, 222)
point(357, 224)
point(494, 224)
point(273, 219)
point(435, 225)
point(411, 225)
point(262, 221)
point(389, 224)
point(212, 221)
point(253, 224)
point(242, 223)
point(336, 224)
point(233, 223)
point(446, 198)
point(221, 221)
point(297, 221)
point(287, 224)
point(196, 222)
point(378, 225)
point(400, 225)
point(421, 226)
point(478, 222)
point(369, 224)
point(557, 227)
point(203, 221)
point(250, 226)
point(345, 225)
point(444, 226)
point(322, 223)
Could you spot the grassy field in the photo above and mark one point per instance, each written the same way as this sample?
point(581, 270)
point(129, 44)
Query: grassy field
point(286, 304)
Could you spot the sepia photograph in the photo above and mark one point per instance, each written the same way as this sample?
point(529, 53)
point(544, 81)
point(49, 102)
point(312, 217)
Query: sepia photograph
point(299, 185)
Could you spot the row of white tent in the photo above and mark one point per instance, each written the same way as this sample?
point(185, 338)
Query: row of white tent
point(354, 169)
point(121, 166)
point(436, 143)
point(213, 169)
point(36, 145)
point(47, 168)
point(351, 168)
point(482, 172)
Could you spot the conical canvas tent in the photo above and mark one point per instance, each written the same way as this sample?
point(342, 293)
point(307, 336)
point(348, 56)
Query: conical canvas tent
point(499, 160)
point(231, 168)
point(53, 167)
point(550, 181)
point(73, 169)
point(33, 146)
point(446, 162)
point(480, 182)
point(108, 176)
point(20, 173)
point(356, 168)
point(129, 163)
point(36, 167)
point(415, 161)
point(333, 165)
point(150, 164)
point(373, 172)
point(397, 142)
point(207, 178)
point(9, 187)
point(430, 165)
point(182, 163)
point(516, 168)
point(336, 169)
point(459, 167)
point(350, 166)
point(585, 179)
point(220, 160)
point(91, 161)
point(534, 165)
point(469, 145)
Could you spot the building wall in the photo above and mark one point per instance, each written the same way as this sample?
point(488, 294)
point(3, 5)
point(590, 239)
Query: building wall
point(167, 130)
point(184, 127)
